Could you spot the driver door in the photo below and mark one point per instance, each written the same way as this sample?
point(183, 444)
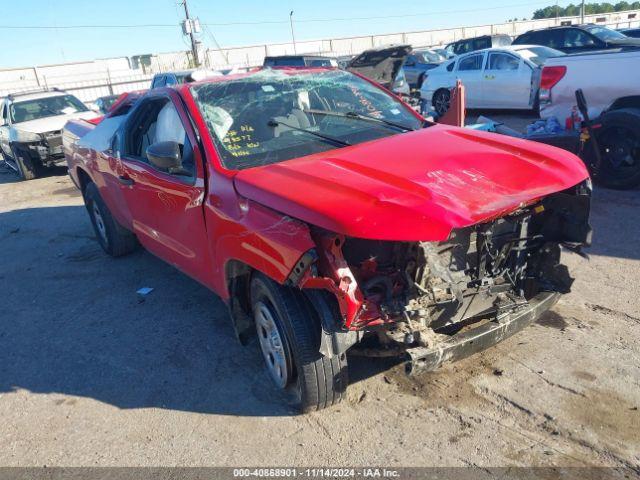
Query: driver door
point(166, 207)
point(507, 81)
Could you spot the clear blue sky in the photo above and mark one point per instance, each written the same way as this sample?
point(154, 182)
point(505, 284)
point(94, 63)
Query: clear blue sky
point(25, 47)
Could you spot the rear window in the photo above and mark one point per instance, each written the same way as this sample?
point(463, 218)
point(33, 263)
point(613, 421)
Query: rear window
point(321, 62)
point(501, 41)
point(524, 39)
point(472, 62)
point(288, 62)
point(481, 43)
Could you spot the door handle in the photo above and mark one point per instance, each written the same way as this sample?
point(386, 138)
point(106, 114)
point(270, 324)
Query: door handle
point(124, 180)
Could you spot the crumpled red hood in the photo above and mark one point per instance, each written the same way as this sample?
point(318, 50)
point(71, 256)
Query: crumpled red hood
point(413, 186)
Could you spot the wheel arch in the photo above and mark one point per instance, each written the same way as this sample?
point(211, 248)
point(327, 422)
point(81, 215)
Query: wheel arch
point(632, 101)
point(322, 303)
point(84, 179)
point(238, 284)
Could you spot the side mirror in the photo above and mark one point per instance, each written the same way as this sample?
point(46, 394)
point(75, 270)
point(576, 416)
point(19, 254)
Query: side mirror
point(165, 155)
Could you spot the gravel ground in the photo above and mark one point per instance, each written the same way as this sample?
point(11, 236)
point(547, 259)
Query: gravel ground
point(90, 375)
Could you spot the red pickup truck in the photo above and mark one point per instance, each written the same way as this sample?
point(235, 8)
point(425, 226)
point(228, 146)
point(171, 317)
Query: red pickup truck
point(328, 215)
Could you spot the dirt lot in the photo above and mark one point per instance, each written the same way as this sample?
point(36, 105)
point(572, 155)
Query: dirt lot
point(90, 375)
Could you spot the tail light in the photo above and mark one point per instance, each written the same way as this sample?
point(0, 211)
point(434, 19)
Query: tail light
point(549, 78)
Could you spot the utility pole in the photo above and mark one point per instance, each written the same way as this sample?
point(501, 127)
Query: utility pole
point(293, 37)
point(581, 12)
point(189, 26)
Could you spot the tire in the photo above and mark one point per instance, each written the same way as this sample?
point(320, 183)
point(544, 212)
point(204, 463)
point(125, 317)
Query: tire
point(112, 237)
point(313, 381)
point(441, 101)
point(619, 142)
point(24, 164)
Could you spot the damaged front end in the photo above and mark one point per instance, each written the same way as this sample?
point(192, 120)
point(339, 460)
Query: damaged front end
point(441, 301)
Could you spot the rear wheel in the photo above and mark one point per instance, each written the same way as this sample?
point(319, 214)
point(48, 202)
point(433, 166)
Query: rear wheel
point(112, 237)
point(289, 335)
point(441, 101)
point(619, 142)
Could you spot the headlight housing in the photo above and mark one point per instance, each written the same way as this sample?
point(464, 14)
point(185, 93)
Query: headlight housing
point(22, 136)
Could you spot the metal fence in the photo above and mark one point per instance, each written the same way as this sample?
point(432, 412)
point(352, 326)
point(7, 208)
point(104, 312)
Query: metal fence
point(90, 80)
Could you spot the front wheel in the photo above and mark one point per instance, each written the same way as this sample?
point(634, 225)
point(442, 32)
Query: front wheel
point(289, 335)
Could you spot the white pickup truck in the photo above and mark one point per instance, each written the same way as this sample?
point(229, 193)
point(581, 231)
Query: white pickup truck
point(610, 82)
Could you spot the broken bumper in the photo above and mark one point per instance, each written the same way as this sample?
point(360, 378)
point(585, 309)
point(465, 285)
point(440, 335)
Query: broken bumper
point(467, 343)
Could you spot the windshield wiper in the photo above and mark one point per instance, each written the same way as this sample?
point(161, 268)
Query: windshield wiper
point(361, 116)
point(274, 123)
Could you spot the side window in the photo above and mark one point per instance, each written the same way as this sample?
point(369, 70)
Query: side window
point(480, 43)
point(4, 117)
point(470, 63)
point(450, 66)
point(463, 47)
point(502, 61)
point(411, 61)
point(547, 38)
point(170, 80)
point(157, 120)
point(577, 38)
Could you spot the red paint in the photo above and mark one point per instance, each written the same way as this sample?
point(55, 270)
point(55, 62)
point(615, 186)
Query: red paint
point(412, 186)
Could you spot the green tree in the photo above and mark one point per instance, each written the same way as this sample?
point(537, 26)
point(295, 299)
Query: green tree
point(590, 8)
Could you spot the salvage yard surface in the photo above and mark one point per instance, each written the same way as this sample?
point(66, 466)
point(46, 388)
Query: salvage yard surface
point(93, 374)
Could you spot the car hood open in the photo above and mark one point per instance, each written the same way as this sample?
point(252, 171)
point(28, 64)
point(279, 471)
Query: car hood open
point(413, 186)
point(381, 64)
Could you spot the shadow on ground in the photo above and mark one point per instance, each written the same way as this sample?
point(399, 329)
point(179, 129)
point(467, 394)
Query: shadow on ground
point(73, 324)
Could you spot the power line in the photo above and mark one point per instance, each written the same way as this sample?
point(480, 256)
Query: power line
point(275, 22)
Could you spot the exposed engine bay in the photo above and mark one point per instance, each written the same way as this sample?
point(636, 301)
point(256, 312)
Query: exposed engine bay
point(414, 293)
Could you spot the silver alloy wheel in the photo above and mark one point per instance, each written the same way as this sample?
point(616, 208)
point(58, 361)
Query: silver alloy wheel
point(97, 216)
point(272, 345)
point(442, 101)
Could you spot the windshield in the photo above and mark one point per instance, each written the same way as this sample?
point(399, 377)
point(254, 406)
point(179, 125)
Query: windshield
point(429, 57)
point(604, 33)
point(262, 118)
point(108, 101)
point(539, 55)
point(45, 107)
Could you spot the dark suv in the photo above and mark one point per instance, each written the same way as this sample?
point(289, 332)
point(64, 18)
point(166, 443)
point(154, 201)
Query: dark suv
point(577, 38)
point(478, 43)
